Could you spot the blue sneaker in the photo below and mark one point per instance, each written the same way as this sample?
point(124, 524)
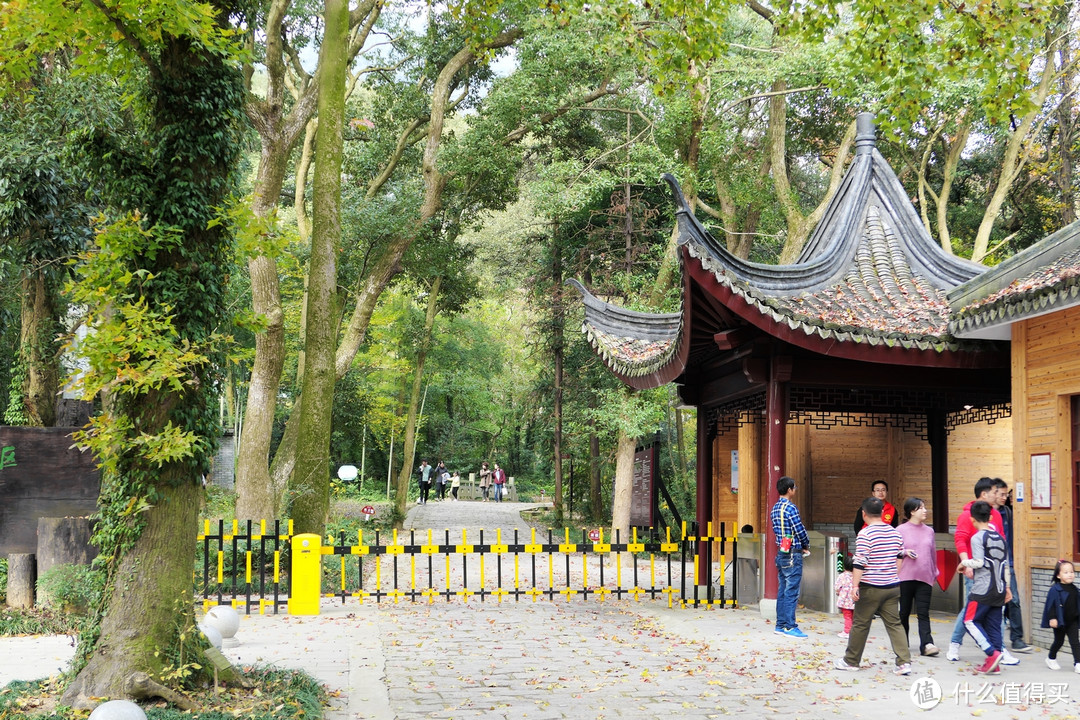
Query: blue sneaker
point(794, 633)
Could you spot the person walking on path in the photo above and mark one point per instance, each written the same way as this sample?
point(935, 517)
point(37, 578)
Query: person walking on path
point(441, 476)
point(424, 471)
point(918, 573)
point(455, 484)
point(880, 490)
point(986, 491)
point(792, 543)
point(485, 480)
point(989, 587)
point(498, 479)
point(879, 552)
point(1012, 610)
point(1062, 614)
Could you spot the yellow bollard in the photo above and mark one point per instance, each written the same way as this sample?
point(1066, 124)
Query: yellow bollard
point(307, 574)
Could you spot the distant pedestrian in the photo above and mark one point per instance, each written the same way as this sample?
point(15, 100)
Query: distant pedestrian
point(498, 479)
point(879, 550)
point(442, 475)
point(989, 586)
point(918, 572)
point(424, 472)
point(1062, 614)
point(792, 544)
point(845, 597)
point(455, 484)
point(485, 480)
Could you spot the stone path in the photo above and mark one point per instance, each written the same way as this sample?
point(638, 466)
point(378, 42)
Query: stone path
point(590, 659)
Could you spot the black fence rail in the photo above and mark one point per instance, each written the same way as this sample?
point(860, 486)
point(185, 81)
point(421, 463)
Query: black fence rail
point(248, 567)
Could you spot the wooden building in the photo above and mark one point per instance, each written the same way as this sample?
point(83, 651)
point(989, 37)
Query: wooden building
point(1033, 300)
point(837, 370)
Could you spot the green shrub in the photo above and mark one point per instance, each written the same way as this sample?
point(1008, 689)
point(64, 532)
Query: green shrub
point(275, 695)
point(37, 621)
point(3, 580)
point(75, 587)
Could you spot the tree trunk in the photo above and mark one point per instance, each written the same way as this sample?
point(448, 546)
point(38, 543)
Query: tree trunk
point(21, 580)
point(389, 263)
point(1016, 152)
point(38, 347)
point(596, 500)
point(624, 480)
point(557, 350)
point(151, 587)
point(311, 478)
point(401, 496)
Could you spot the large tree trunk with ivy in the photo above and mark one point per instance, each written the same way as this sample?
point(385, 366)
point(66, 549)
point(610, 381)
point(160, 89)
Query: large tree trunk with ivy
point(311, 479)
point(150, 594)
point(38, 351)
point(156, 438)
point(401, 492)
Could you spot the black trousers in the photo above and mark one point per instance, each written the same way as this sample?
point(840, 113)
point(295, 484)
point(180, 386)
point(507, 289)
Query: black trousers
point(916, 593)
point(425, 488)
point(1060, 633)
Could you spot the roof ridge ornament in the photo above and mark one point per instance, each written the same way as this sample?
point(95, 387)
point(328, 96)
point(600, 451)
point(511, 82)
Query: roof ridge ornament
point(865, 135)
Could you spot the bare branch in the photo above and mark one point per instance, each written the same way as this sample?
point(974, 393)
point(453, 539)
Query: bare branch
point(735, 103)
point(604, 89)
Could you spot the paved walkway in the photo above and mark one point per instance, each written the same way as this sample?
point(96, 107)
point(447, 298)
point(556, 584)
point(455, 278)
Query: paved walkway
point(594, 659)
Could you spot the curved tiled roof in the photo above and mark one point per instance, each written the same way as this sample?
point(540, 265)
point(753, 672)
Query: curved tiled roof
point(870, 276)
point(1041, 279)
point(633, 344)
point(878, 300)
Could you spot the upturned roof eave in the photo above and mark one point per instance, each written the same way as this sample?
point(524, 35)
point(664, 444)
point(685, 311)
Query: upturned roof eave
point(602, 317)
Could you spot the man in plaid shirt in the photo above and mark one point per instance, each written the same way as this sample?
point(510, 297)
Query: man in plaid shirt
point(792, 544)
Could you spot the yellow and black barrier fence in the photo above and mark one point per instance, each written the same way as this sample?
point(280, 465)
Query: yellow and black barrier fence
point(248, 568)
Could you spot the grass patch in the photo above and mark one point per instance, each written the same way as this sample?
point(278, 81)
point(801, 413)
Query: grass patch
point(37, 621)
point(275, 695)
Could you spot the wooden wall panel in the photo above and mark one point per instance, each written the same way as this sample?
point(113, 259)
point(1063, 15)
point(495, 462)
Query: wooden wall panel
point(1046, 359)
point(751, 483)
point(725, 503)
point(845, 461)
point(977, 450)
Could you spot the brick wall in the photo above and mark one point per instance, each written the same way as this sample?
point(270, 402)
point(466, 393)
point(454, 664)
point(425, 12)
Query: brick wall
point(1040, 584)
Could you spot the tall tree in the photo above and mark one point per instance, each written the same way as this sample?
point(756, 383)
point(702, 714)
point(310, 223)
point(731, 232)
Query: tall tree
point(154, 294)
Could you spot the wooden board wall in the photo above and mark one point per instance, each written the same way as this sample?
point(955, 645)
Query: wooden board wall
point(1046, 374)
point(834, 468)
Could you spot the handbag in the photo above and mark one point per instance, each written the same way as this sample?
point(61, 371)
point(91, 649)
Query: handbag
point(785, 539)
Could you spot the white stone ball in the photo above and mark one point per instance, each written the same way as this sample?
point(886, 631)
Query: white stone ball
point(212, 635)
point(118, 710)
point(224, 619)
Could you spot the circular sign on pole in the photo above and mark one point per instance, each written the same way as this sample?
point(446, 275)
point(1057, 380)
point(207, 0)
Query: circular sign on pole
point(594, 535)
point(346, 473)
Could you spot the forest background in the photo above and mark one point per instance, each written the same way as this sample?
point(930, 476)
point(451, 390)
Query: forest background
point(344, 230)
point(546, 130)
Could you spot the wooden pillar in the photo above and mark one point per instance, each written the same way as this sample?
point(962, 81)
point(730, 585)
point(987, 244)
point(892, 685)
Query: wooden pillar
point(776, 410)
point(22, 577)
point(706, 431)
point(939, 469)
